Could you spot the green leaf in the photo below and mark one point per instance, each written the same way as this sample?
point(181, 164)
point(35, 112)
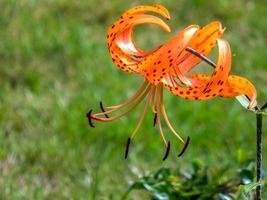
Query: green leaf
point(248, 188)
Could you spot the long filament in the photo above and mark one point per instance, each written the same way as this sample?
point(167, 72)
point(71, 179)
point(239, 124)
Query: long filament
point(165, 115)
point(122, 114)
point(181, 77)
point(138, 93)
point(158, 117)
point(153, 92)
point(143, 113)
point(171, 79)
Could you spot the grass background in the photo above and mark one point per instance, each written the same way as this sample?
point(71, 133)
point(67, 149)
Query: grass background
point(54, 66)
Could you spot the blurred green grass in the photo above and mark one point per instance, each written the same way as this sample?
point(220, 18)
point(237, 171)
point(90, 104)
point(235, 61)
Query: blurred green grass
point(54, 66)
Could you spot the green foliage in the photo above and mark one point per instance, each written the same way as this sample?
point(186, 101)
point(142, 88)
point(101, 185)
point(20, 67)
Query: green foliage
point(201, 182)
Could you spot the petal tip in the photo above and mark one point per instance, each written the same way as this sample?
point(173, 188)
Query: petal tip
point(165, 13)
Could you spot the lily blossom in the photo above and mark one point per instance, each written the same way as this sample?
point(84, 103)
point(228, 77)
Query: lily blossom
point(167, 66)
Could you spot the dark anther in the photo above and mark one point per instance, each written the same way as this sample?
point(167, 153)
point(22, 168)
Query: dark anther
point(102, 109)
point(88, 115)
point(127, 148)
point(185, 147)
point(264, 106)
point(167, 151)
point(155, 119)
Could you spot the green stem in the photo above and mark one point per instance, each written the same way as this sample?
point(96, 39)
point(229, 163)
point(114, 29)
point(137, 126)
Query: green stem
point(259, 156)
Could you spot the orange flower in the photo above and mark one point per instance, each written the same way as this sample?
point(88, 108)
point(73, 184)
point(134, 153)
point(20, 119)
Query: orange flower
point(167, 67)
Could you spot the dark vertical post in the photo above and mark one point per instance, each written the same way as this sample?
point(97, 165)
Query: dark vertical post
point(259, 155)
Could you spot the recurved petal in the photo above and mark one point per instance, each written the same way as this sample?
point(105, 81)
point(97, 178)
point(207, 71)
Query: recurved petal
point(126, 43)
point(159, 9)
point(122, 46)
point(218, 79)
point(203, 86)
point(237, 86)
point(203, 42)
point(147, 19)
point(122, 60)
point(124, 52)
point(124, 38)
point(161, 62)
point(130, 17)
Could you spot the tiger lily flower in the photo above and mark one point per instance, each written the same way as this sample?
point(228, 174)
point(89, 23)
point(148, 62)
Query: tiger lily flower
point(167, 66)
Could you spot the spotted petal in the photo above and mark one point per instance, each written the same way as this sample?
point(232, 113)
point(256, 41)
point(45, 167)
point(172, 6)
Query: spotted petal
point(155, 66)
point(205, 87)
point(120, 41)
point(203, 42)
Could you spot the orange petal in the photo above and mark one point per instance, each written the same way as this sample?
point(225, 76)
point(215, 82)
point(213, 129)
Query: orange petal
point(203, 42)
point(147, 19)
point(124, 39)
point(136, 18)
point(154, 8)
point(237, 86)
point(204, 86)
point(156, 65)
point(121, 44)
point(221, 72)
point(122, 60)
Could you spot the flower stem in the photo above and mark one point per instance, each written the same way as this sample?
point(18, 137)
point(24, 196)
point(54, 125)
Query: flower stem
point(259, 155)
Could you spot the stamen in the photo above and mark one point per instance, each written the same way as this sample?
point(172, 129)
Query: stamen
point(158, 120)
point(167, 151)
point(155, 119)
point(103, 110)
point(165, 115)
point(171, 79)
point(153, 99)
point(181, 77)
point(138, 97)
point(89, 116)
point(201, 56)
point(95, 117)
point(127, 148)
point(185, 147)
point(137, 94)
point(143, 114)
